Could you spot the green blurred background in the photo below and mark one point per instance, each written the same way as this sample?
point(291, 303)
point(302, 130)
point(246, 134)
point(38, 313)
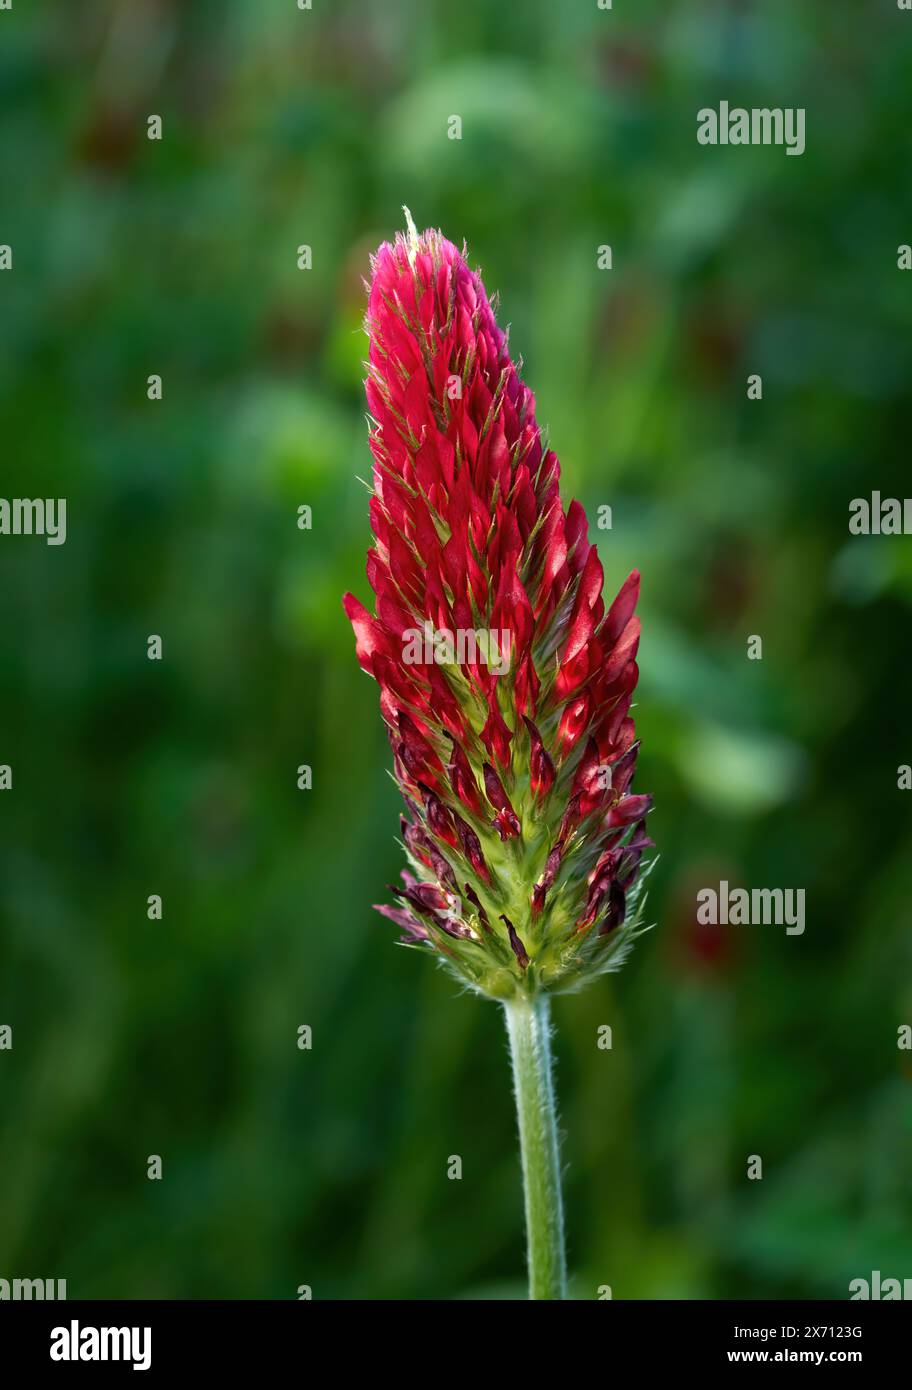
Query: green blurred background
point(329, 1167)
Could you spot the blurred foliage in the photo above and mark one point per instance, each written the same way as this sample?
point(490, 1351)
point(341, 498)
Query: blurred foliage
point(178, 1038)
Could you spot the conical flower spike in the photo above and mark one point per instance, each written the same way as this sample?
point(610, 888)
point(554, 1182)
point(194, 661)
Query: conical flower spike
point(504, 684)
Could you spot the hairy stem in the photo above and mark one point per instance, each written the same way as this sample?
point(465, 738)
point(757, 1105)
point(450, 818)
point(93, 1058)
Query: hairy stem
point(529, 1029)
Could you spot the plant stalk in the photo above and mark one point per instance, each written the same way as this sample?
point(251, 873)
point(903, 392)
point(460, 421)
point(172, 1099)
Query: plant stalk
point(529, 1030)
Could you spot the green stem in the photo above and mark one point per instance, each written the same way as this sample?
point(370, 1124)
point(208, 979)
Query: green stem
point(529, 1029)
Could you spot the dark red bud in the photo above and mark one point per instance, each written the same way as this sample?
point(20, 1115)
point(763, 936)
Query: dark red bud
point(478, 906)
point(519, 949)
point(541, 768)
point(416, 842)
point(413, 929)
point(617, 907)
point(505, 822)
point(439, 819)
point(622, 771)
point(573, 723)
point(546, 882)
point(462, 780)
point(570, 818)
point(441, 866)
point(628, 809)
point(589, 781)
point(471, 848)
point(495, 735)
point(621, 611)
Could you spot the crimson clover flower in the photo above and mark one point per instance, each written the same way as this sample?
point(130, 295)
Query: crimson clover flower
point(505, 685)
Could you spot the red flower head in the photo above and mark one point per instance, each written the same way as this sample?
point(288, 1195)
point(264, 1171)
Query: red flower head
point(504, 684)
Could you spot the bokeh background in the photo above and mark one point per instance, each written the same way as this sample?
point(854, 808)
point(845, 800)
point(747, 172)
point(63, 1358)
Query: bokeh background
point(179, 1038)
